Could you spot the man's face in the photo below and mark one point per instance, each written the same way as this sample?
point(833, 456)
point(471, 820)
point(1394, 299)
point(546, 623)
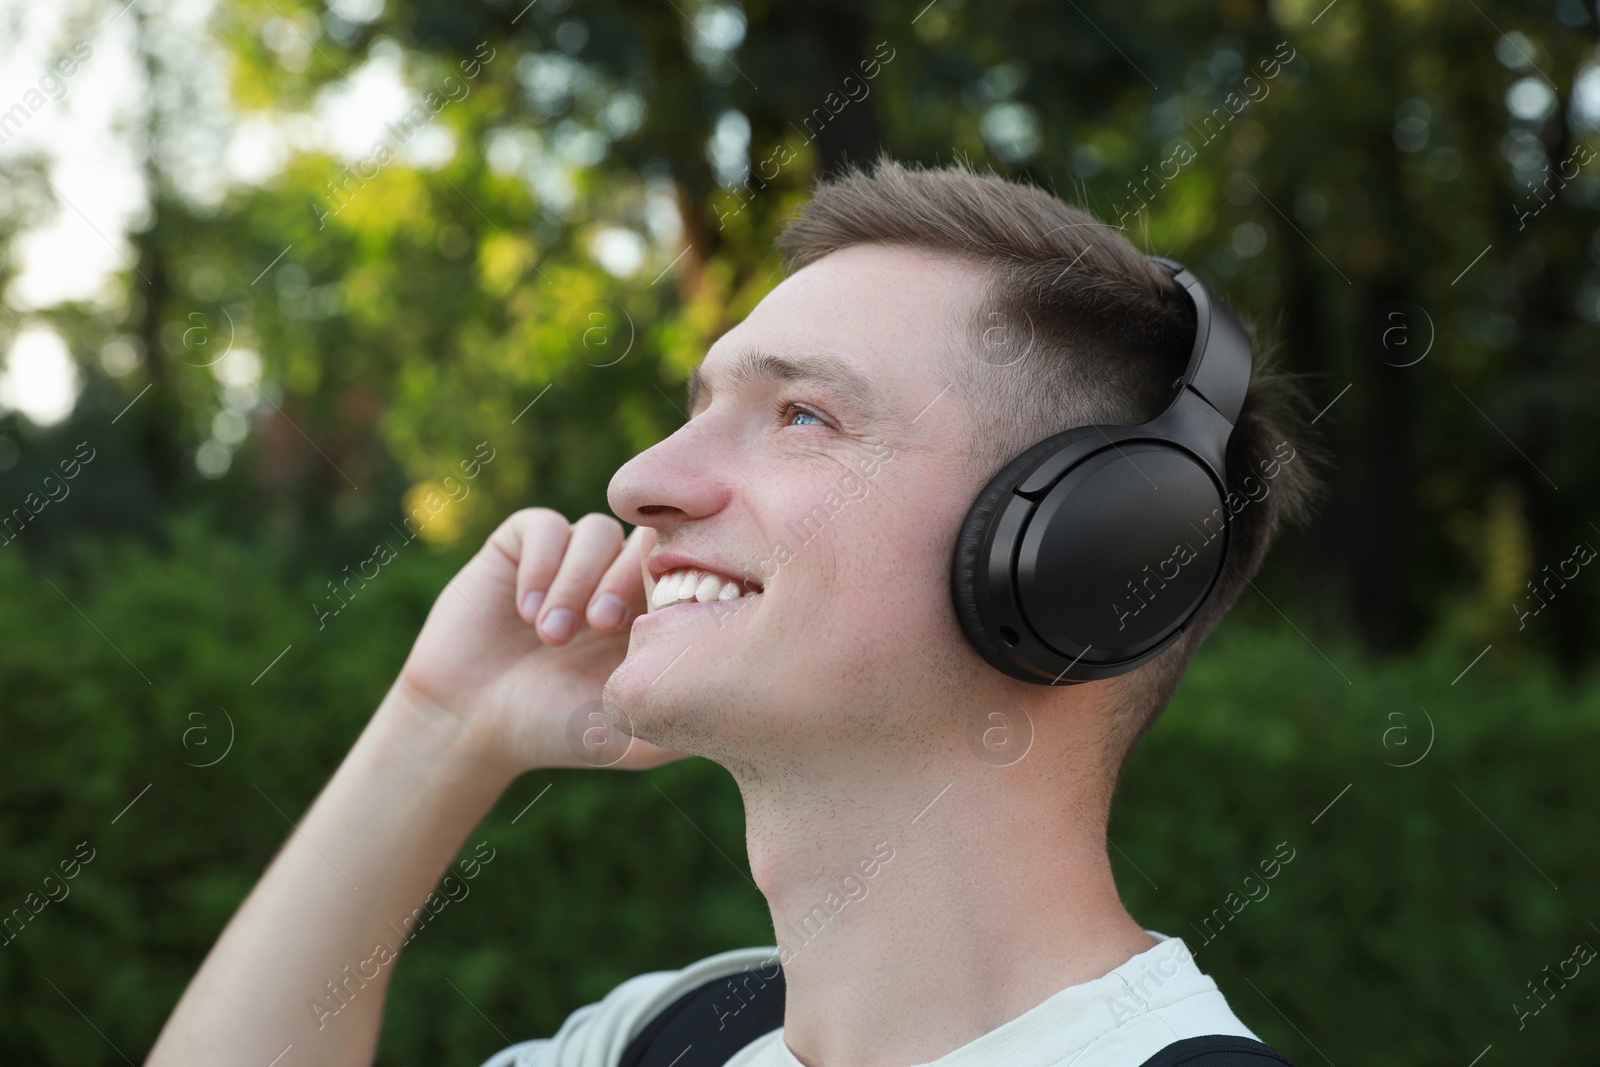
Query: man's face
point(823, 474)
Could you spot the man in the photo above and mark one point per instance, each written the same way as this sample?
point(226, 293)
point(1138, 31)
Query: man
point(928, 832)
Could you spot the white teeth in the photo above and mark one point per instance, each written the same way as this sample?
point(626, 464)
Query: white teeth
point(686, 583)
point(682, 586)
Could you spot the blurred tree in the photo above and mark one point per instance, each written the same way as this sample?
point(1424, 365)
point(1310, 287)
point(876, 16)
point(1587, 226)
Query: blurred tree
point(574, 230)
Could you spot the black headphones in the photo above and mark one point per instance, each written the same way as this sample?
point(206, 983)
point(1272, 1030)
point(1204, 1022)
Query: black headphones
point(1092, 551)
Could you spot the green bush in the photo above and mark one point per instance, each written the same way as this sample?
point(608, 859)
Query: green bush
point(1420, 904)
point(1401, 932)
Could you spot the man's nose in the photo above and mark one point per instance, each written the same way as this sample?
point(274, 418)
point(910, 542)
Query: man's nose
point(683, 477)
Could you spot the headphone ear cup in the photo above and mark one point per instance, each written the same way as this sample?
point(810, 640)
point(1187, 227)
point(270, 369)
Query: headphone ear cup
point(969, 545)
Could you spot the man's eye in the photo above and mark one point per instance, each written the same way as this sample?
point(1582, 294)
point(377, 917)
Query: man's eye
point(792, 412)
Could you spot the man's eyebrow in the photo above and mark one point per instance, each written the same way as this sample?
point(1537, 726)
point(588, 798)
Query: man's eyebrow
point(831, 372)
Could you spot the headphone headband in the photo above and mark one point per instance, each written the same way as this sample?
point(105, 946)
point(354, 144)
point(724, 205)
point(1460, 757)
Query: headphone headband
point(1219, 362)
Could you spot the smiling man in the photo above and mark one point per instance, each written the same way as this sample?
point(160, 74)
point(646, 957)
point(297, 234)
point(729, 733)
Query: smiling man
point(806, 601)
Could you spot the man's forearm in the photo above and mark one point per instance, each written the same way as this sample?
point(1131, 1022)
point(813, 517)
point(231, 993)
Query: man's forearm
point(374, 844)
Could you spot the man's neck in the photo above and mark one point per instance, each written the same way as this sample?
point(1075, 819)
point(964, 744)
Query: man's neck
point(919, 904)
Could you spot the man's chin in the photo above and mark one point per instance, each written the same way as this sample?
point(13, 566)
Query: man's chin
point(660, 714)
point(649, 683)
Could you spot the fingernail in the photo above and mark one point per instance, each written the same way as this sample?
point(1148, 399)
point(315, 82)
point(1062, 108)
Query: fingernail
point(606, 611)
point(530, 605)
point(559, 624)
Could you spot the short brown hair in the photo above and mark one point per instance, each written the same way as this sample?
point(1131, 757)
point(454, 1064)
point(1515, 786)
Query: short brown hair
point(1106, 335)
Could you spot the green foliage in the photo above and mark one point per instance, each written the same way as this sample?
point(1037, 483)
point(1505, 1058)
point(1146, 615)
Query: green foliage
point(1403, 884)
point(1407, 924)
point(404, 317)
point(1343, 159)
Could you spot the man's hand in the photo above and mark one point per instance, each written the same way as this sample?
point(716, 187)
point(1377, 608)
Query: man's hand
point(520, 643)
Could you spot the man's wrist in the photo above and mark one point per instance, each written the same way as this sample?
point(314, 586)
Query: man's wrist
point(446, 750)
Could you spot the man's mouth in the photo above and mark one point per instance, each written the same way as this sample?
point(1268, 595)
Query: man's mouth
point(688, 585)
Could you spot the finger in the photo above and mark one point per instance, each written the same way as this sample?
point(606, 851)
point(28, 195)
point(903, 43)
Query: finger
point(642, 755)
point(621, 593)
point(596, 540)
point(536, 539)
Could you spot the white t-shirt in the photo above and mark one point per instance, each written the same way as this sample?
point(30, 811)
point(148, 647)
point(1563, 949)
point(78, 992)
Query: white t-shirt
point(1118, 1020)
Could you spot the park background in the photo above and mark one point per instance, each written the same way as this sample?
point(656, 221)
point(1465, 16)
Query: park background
point(254, 366)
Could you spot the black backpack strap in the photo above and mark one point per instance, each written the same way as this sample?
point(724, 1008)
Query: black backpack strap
point(711, 1022)
point(1217, 1052)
